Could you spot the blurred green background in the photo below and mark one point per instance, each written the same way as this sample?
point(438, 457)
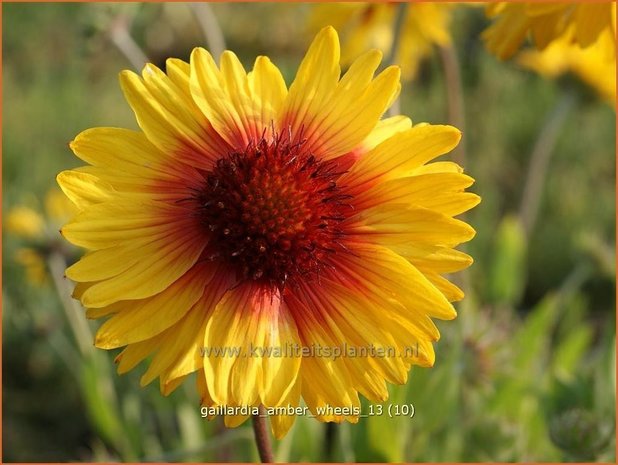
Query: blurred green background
point(526, 372)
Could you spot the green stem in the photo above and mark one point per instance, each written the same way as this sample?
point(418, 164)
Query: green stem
point(398, 26)
point(539, 161)
point(454, 98)
point(210, 27)
point(121, 37)
point(455, 117)
point(72, 309)
point(262, 438)
point(330, 435)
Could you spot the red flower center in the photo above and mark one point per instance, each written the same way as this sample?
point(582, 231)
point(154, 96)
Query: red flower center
point(274, 212)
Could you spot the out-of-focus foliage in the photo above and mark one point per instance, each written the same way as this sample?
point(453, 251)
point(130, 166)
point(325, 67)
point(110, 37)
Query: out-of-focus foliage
point(526, 372)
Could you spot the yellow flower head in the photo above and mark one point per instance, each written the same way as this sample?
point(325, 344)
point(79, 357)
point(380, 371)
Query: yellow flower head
point(25, 222)
point(250, 232)
point(545, 22)
point(370, 25)
point(28, 223)
point(39, 231)
point(594, 65)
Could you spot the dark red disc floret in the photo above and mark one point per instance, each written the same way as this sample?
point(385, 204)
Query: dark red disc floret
point(273, 212)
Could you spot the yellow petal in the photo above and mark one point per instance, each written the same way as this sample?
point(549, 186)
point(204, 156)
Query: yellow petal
point(161, 263)
point(180, 73)
point(191, 359)
point(248, 317)
point(363, 325)
point(102, 264)
point(331, 391)
point(239, 106)
point(438, 167)
point(279, 372)
point(133, 354)
point(385, 129)
point(236, 87)
point(450, 291)
point(436, 258)
point(402, 154)
point(504, 37)
point(84, 189)
point(127, 218)
point(233, 421)
point(184, 338)
point(167, 387)
point(123, 151)
point(335, 117)
point(351, 117)
point(316, 329)
point(143, 319)
point(390, 276)
point(281, 424)
point(442, 192)
point(208, 90)
point(315, 81)
point(398, 224)
point(164, 114)
point(544, 8)
point(591, 19)
point(202, 388)
point(268, 88)
point(96, 313)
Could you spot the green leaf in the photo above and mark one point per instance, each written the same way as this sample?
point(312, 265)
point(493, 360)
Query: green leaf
point(507, 269)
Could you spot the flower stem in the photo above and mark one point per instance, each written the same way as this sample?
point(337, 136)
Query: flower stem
point(455, 117)
point(330, 434)
point(539, 161)
point(400, 17)
point(262, 438)
point(454, 97)
point(121, 37)
point(209, 26)
point(72, 309)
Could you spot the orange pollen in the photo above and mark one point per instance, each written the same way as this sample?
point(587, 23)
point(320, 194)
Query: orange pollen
point(274, 212)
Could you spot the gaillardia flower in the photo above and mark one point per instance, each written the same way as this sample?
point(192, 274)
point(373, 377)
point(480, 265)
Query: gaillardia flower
point(594, 65)
point(246, 220)
point(39, 233)
point(544, 22)
point(371, 25)
point(568, 37)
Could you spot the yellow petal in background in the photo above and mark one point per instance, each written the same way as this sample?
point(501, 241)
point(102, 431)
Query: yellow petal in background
point(25, 222)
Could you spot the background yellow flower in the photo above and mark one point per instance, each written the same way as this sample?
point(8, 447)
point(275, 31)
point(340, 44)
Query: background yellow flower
point(25, 222)
point(370, 25)
point(39, 231)
point(544, 22)
point(568, 37)
point(595, 65)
